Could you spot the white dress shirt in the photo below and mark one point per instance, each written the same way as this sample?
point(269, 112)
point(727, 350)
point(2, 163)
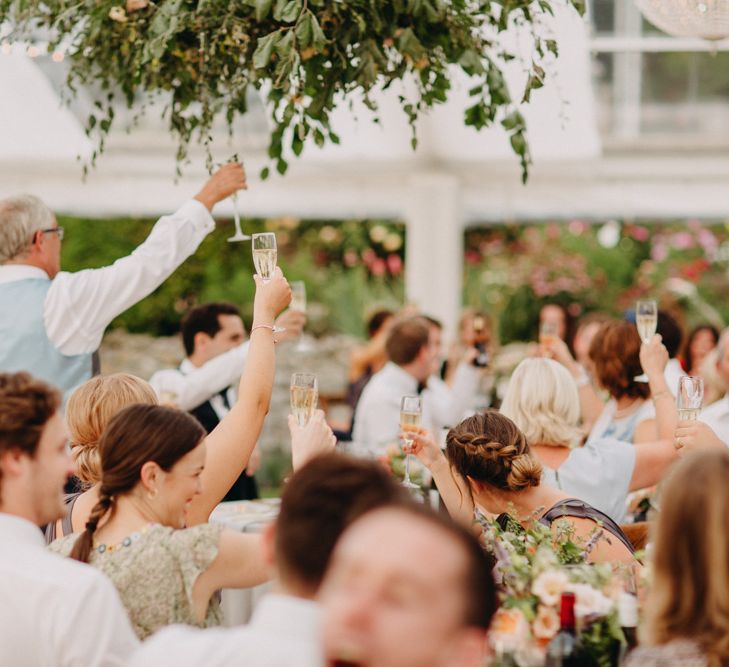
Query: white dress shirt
point(716, 416)
point(193, 385)
point(55, 612)
point(79, 306)
point(377, 419)
point(283, 632)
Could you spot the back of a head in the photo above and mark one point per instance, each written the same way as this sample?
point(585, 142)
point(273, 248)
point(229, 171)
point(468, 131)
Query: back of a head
point(20, 218)
point(671, 332)
point(615, 351)
point(319, 501)
point(204, 318)
point(26, 405)
point(377, 320)
point(690, 593)
point(406, 338)
point(489, 448)
point(90, 408)
point(543, 401)
point(137, 435)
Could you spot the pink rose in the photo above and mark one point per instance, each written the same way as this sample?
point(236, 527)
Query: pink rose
point(135, 5)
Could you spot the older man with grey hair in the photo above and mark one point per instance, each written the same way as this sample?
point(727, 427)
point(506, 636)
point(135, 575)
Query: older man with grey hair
point(53, 321)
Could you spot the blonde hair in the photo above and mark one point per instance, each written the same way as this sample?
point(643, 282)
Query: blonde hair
point(690, 592)
point(91, 407)
point(543, 401)
point(489, 448)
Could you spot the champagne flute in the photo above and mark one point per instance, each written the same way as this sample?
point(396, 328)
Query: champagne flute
point(410, 413)
point(646, 321)
point(239, 235)
point(304, 396)
point(264, 254)
point(690, 397)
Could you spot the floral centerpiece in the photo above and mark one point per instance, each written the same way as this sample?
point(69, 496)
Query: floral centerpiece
point(534, 567)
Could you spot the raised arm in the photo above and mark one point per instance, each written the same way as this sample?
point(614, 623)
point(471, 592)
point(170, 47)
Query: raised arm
point(452, 487)
point(231, 443)
point(79, 306)
point(653, 359)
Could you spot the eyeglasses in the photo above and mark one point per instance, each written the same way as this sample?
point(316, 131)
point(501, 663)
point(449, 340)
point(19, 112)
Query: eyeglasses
point(53, 230)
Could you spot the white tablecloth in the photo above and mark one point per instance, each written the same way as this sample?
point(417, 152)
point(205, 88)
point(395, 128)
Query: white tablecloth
point(246, 516)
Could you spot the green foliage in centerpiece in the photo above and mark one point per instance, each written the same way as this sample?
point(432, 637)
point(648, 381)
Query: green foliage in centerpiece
point(304, 56)
point(535, 565)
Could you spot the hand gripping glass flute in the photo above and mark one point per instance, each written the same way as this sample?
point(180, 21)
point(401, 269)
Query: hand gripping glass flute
point(304, 396)
point(265, 256)
point(646, 320)
point(410, 414)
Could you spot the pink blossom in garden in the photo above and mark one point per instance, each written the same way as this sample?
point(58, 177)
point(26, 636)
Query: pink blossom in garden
point(350, 258)
point(682, 241)
point(378, 267)
point(394, 264)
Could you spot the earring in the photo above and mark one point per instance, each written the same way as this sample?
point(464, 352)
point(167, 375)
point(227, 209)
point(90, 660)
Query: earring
point(152, 494)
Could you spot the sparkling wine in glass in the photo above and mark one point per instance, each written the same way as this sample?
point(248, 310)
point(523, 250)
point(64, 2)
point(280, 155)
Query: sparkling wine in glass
point(304, 396)
point(548, 333)
point(690, 397)
point(264, 254)
point(298, 296)
point(239, 235)
point(646, 321)
point(411, 411)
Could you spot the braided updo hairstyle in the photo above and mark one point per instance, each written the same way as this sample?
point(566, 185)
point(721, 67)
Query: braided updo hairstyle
point(135, 436)
point(489, 448)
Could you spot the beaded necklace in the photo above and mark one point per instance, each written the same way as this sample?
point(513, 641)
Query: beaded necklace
point(126, 542)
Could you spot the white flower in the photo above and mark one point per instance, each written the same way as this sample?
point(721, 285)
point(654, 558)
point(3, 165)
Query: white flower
point(118, 14)
point(509, 630)
point(549, 586)
point(546, 624)
point(589, 601)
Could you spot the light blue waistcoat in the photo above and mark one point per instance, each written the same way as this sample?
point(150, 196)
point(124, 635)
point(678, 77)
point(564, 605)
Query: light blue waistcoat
point(24, 343)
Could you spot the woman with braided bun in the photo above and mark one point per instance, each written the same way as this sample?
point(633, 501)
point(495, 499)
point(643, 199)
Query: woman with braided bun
point(488, 464)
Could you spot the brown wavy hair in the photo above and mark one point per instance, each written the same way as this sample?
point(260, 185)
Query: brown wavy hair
point(615, 351)
point(26, 405)
point(90, 408)
point(690, 593)
point(136, 435)
point(489, 448)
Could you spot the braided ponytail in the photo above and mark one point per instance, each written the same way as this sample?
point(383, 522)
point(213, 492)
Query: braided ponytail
point(490, 448)
point(82, 547)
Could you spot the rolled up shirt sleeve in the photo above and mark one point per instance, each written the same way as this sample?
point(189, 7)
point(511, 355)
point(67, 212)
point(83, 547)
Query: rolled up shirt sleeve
point(79, 306)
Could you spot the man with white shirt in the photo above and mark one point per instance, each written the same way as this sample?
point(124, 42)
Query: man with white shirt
point(213, 336)
point(319, 501)
point(54, 612)
point(413, 349)
point(53, 321)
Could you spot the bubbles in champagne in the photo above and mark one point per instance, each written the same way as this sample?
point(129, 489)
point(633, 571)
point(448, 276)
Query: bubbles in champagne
point(688, 414)
point(646, 326)
point(303, 403)
point(264, 260)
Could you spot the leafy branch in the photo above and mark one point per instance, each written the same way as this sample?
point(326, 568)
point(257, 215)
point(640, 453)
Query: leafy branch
point(303, 56)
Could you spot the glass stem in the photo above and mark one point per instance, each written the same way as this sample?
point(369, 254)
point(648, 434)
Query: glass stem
point(407, 468)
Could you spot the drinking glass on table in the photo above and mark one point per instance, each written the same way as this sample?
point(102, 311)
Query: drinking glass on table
point(690, 397)
point(411, 411)
point(646, 321)
point(304, 396)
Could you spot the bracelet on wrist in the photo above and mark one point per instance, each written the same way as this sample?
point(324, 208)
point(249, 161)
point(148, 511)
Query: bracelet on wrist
point(663, 392)
point(255, 327)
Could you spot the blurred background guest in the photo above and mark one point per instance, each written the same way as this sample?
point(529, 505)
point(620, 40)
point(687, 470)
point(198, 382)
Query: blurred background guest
point(716, 415)
point(556, 320)
point(686, 620)
point(475, 332)
point(700, 342)
point(585, 332)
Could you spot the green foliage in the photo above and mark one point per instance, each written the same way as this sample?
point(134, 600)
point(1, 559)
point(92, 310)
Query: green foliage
point(346, 269)
point(306, 56)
